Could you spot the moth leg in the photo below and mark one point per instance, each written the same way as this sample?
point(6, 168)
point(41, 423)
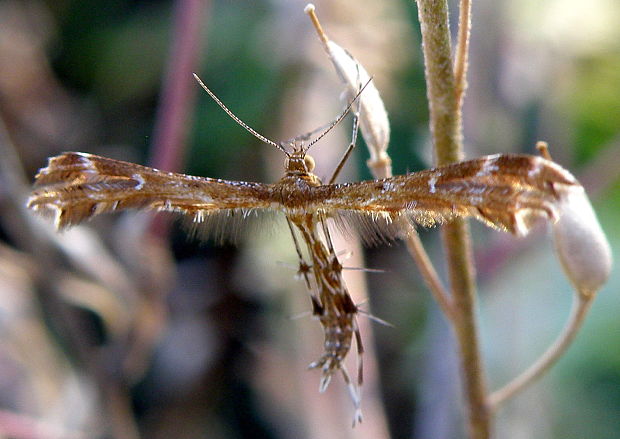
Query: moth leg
point(304, 267)
point(354, 393)
point(356, 390)
point(360, 356)
point(356, 126)
point(328, 239)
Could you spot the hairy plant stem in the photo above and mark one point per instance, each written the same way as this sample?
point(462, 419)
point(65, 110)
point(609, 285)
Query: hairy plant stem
point(457, 246)
point(462, 52)
point(445, 122)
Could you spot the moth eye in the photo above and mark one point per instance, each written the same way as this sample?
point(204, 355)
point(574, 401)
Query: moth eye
point(309, 162)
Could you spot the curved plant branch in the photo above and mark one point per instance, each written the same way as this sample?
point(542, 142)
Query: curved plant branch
point(427, 270)
point(580, 307)
point(585, 255)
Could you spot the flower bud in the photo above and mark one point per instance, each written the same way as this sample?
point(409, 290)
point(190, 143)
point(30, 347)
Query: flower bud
point(581, 244)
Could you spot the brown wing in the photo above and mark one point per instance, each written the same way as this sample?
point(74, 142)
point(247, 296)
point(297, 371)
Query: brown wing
point(77, 186)
point(509, 192)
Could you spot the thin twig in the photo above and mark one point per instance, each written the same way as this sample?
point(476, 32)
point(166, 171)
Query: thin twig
point(310, 11)
point(462, 52)
point(446, 130)
point(178, 91)
point(580, 307)
point(427, 270)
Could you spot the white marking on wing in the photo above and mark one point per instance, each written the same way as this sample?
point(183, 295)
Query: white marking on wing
point(431, 184)
point(140, 181)
point(488, 167)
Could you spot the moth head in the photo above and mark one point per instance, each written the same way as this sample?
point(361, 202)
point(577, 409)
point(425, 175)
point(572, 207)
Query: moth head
point(298, 162)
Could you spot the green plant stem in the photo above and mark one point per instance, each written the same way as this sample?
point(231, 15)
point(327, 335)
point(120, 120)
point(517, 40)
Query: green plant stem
point(457, 246)
point(445, 121)
point(462, 52)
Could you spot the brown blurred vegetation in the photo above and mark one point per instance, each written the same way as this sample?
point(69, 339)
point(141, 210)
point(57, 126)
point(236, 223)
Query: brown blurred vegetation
point(114, 331)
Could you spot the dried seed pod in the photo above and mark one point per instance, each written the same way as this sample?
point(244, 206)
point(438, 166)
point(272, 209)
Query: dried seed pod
point(581, 244)
point(373, 116)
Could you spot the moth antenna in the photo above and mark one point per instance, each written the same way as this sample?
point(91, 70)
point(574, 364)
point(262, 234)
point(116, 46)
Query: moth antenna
point(339, 118)
point(236, 119)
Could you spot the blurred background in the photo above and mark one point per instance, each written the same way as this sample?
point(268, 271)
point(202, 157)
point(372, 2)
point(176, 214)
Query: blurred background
point(126, 328)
